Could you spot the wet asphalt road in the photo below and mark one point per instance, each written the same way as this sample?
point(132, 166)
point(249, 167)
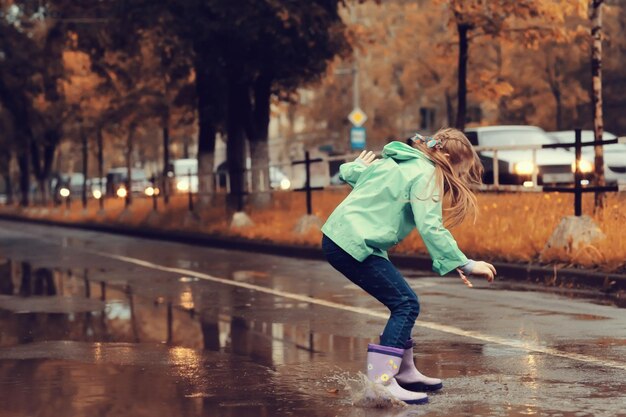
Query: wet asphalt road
point(102, 325)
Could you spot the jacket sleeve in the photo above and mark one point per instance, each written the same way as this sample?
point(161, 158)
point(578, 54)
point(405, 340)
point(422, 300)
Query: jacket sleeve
point(428, 215)
point(351, 171)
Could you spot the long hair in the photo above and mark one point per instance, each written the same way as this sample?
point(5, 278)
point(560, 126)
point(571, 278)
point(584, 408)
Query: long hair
point(454, 174)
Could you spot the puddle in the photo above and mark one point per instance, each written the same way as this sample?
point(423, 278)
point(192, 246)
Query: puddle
point(616, 299)
point(97, 339)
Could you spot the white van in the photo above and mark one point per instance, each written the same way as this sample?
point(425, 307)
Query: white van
point(185, 175)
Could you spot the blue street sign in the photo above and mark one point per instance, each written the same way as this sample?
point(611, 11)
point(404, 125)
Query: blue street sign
point(357, 137)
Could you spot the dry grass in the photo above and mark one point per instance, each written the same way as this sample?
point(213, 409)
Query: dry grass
point(510, 227)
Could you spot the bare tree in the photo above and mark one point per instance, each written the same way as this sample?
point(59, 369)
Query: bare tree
point(595, 15)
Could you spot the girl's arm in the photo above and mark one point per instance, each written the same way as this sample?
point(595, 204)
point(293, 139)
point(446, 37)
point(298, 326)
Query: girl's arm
point(428, 215)
point(351, 171)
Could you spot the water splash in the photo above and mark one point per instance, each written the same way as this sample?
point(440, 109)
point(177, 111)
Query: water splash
point(364, 393)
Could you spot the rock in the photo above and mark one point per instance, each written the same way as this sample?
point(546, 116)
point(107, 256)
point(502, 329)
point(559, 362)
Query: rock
point(306, 222)
point(572, 233)
point(241, 219)
point(153, 218)
point(191, 219)
point(125, 215)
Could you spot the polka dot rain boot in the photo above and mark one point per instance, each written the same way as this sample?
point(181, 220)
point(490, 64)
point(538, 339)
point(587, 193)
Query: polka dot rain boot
point(383, 364)
point(410, 378)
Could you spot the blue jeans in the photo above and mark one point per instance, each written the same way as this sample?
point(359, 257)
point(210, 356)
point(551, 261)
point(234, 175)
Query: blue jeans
point(379, 278)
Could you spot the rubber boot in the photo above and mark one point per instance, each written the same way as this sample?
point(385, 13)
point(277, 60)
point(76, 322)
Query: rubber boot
point(410, 378)
point(383, 364)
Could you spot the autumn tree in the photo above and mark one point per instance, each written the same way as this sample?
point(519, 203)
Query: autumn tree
point(595, 17)
point(16, 84)
point(527, 22)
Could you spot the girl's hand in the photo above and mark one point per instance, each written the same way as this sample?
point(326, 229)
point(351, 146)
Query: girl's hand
point(480, 268)
point(367, 157)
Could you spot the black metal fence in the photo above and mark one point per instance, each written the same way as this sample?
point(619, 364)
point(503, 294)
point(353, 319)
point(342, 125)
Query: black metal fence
point(187, 185)
point(577, 188)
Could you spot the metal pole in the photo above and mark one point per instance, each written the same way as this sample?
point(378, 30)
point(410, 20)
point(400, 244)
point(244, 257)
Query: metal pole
point(189, 190)
point(166, 164)
point(154, 194)
point(577, 176)
point(496, 169)
point(101, 169)
point(535, 168)
point(85, 162)
point(128, 191)
point(241, 193)
point(170, 319)
point(356, 96)
point(309, 208)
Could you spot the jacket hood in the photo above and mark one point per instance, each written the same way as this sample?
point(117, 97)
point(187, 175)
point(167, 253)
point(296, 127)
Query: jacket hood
point(400, 151)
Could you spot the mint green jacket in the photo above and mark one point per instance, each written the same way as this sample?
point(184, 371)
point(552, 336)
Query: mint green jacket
point(389, 198)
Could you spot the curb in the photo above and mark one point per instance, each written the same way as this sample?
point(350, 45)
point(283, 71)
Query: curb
point(565, 277)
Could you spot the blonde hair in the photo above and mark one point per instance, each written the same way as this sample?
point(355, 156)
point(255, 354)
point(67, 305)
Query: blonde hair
point(455, 172)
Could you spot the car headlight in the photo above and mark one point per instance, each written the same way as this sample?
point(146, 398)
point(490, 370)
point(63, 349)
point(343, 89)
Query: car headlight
point(149, 191)
point(121, 192)
point(96, 194)
point(524, 168)
point(285, 184)
point(584, 165)
point(65, 192)
point(182, 185)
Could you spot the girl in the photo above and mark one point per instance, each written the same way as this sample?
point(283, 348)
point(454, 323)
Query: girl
point(390, 197)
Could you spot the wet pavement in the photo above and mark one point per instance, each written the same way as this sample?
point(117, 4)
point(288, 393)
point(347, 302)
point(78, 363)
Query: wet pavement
point(93, 324)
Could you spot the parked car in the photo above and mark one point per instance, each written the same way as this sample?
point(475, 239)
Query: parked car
point(278, 179)
point(117, 179)
point(184, 174)
point(553, 166)
point(67, 185)
point(614, 155)
point(97, 187)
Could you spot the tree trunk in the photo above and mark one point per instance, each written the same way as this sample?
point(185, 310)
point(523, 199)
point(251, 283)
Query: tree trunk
point(42, 164)
point(8, 182)
point(103, 192)
point(207, 121)
point(259, 154)
point(129, 164)
point(238, 109)
point(449, 108)
point(166, 159)
point(558, 99)
point(16, 102)
point(36, 167)
point(5, 171)
point(462, 28)
point(23, 161)
point(259, 149)
point(85, 164)
point(595, 8)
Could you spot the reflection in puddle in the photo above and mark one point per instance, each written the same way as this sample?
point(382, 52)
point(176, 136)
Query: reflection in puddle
point(207, 350)
point(110, 325)
point(117, 310)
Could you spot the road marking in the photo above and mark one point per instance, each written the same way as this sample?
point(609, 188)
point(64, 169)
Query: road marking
point(518, 344)
point(514, 343)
